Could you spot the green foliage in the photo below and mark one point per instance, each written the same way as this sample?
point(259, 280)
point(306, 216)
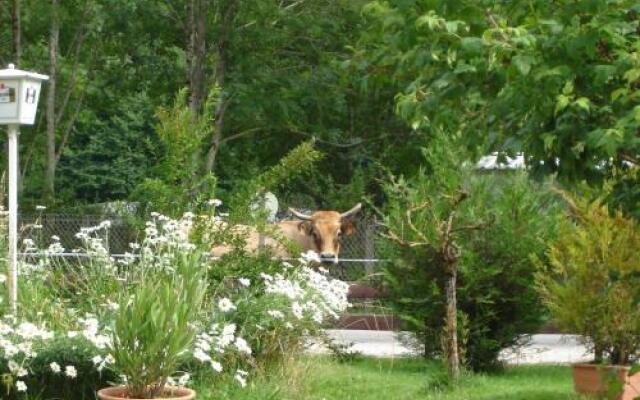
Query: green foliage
point(299, 162)
point(497, 300)
point(114, 159)
point(154, 326)
point(53, 385)
point(589, 279)
point(497, 292)
point(420, 219)
point(555, 80)
point(135, 317)
point(273, 340)
point(177, 183)
point(285, 81)
point(623, 192)
point(438, 180)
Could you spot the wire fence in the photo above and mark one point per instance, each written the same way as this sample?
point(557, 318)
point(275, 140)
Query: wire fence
point(358, 256)
point(41, 228)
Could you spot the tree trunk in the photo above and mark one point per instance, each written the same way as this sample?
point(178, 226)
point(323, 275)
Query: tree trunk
point(16, 30)
point(189, 37)
point(197, 49)
point(217, 133)
point(598, 351)
point(451, 323)
point(50, 173)
point(221, 71)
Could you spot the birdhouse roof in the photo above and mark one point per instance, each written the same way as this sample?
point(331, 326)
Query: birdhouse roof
point(12, 73)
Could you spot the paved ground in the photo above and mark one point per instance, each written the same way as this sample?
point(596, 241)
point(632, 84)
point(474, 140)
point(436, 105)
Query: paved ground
point(542, 349)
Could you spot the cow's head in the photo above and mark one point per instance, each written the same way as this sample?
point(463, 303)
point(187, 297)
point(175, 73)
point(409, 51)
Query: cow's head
point(325, 228)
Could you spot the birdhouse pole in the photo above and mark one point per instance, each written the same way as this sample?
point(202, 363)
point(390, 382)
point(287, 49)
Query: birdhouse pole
point(19, 94)
point(12, 278)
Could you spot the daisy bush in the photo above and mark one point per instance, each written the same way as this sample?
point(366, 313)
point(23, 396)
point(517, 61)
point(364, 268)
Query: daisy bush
point(258, 320)
point(164, 313)
point(34, 359)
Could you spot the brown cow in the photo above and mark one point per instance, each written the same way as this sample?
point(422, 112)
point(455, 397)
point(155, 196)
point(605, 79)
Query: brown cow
point(319, 232)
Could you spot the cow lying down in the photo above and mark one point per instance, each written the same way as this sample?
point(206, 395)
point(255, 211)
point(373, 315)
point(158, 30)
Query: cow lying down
point(319, 232)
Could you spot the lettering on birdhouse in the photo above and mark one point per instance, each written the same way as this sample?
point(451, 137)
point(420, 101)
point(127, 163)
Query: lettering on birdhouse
point(7, 94)
point(30, 95)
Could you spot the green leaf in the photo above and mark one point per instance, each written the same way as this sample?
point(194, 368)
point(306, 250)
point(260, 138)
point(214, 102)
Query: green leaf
point(583, 103)
point(473, 45)
point(548, 140)
point(636, 113)
point(568, 88)
point(462, 68)
point(604, 73)
point(430, 19)
point(562, 102)
point(618, 93)
point(578, 148)
point(452, 26)
point(523, 63)
point(632, 75)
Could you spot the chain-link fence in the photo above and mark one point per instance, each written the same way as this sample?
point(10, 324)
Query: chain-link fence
point(42, 227)
point(358, 251)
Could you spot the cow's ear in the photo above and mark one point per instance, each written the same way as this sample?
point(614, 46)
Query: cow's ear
point(304, 227)
point(348, 227)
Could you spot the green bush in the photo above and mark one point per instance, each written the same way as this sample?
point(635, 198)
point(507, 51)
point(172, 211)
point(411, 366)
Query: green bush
point(177, 183)
point(263, 292)
point(50, 384)
point(497, 300)
point(497, 293)
point(156, 324)
point(590, 280)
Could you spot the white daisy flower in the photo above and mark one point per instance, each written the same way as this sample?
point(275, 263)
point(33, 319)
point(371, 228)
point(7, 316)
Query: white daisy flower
point(21, 386)
point(225, 305)
point(70, 371)
point(55, 367)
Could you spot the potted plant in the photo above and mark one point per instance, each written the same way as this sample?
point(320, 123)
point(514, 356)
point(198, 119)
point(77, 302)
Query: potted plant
point(590, 282)
point(153, 329)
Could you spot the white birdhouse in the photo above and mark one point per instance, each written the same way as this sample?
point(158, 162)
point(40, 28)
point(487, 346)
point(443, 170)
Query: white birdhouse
point(19, 93)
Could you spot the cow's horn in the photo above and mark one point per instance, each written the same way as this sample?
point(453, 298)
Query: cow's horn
point(300, 215)
point(351, 212)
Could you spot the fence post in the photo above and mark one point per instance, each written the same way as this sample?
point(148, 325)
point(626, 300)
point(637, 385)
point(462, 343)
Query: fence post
point(369, 246)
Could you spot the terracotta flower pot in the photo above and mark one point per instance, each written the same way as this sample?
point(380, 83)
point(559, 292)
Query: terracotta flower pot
point(593, 380)
point(170, 393)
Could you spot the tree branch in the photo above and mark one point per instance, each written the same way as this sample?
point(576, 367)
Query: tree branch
point(628, 158)
point(358, 141)
point(81, 35)
point(70, 126)
point(238, 135)
point(404, 243)
point(448, 247)
point(497, 27)
point(473, 227)
point(408, 215)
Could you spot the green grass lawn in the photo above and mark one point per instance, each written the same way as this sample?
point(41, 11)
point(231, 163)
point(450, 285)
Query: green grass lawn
point(322, 378)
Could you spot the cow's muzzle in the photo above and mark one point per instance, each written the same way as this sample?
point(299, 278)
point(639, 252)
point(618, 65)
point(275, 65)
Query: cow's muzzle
point(328, 258)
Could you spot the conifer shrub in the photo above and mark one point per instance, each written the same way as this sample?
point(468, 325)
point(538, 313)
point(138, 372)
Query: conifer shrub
point(497, 300)
point(590, 279)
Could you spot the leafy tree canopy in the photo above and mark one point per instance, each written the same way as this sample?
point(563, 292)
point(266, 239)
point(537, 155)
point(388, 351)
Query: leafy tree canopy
point(557, 80)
